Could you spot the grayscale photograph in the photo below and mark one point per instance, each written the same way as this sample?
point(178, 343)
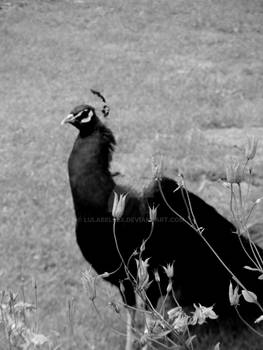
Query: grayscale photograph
point(131, 177)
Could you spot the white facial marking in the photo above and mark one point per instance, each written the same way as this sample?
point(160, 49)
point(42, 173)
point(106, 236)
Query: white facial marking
point(78, 115)
point(86, 120)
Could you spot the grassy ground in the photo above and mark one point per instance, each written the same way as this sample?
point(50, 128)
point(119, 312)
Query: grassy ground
point(184, 80)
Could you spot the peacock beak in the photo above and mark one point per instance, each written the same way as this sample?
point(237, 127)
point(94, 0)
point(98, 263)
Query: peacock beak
point(69, 119)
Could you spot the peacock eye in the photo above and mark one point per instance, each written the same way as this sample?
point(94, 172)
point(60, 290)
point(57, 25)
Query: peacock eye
point(88, 118)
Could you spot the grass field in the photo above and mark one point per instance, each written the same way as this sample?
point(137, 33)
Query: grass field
point(184, 80)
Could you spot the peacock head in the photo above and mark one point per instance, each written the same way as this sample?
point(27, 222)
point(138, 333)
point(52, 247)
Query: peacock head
point(82, 116)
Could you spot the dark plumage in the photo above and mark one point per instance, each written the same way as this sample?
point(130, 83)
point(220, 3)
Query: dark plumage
point(199, 276)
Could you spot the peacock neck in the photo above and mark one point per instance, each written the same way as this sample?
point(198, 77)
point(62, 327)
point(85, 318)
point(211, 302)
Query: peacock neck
point(90, 179)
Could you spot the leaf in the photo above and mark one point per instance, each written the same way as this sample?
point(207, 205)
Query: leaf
point(250, 297)
point(217, 346)
point(250, 268)
point(259, 319)
point(260, 277)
